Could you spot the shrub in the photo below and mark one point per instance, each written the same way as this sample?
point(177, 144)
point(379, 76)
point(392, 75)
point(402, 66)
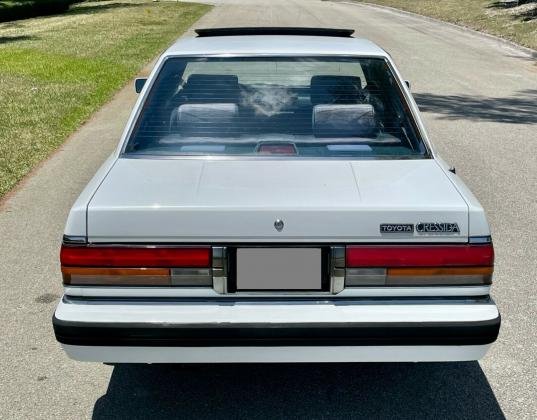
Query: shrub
point(23, 9)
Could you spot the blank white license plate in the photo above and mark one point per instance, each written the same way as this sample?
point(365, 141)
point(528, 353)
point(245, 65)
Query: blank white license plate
point(279, 269)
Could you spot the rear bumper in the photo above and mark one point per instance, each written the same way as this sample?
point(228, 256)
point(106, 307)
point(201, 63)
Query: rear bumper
point(303, 327)
point(277, 334)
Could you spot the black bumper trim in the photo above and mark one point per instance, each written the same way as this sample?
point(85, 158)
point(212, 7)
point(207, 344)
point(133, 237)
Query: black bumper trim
point(314, 334)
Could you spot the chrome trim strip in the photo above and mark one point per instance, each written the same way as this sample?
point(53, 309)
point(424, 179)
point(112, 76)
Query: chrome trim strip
point(337, 269)
point(287, 300)
point(219, 269)
point(282, 294)
point(264, 241)
point(206, 292)
point(480, 240)
point(266, 157)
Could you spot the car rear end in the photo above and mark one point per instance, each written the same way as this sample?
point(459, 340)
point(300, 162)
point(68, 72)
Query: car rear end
point(276, 209)
point(349, 303)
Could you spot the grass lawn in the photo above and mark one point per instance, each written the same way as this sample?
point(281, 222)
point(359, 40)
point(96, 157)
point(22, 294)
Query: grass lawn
point(518, 24)
point(56, 71)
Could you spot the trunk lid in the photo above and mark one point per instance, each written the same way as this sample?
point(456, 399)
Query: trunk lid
point(233, 200)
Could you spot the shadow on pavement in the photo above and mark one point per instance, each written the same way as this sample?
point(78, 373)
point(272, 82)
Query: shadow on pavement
point(519, 109)
point(384, 390)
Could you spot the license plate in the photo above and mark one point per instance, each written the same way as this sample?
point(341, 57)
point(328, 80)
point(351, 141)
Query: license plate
point(279, 269)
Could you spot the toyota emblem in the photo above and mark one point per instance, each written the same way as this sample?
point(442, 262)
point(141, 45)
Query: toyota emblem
point(278, 225)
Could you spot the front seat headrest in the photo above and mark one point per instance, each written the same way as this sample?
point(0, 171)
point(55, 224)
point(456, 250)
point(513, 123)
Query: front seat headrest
point(212, 88)
point(335, 89)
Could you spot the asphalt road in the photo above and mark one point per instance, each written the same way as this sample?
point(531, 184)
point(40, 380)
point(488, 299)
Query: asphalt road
point(479, 98)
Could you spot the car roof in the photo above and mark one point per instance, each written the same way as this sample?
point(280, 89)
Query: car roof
point(275, 45)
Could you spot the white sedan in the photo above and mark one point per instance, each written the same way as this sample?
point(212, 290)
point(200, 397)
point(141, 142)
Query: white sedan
point(275, 198)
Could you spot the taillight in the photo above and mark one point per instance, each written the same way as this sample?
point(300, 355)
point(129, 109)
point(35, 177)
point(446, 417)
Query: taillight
point(135, 256)
point(136, 265)
point(419, 265)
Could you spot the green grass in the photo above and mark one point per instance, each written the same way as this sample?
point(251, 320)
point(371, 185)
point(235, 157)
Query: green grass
point(56, 71)
point(518, 24)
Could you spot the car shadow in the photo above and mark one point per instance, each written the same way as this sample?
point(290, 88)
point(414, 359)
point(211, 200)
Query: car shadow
point(268, 391)
point(519, 109)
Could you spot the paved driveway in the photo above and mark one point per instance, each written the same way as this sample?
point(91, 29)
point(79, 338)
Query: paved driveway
point(479, 98)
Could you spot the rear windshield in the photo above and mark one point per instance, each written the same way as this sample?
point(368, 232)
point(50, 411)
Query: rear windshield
point(258, 106)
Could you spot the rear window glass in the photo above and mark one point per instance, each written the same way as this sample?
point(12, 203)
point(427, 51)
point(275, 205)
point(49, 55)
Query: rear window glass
point(258, 106)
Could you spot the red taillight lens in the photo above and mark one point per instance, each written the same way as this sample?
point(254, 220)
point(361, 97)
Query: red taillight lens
point(463, 255)
point(146, 256)
point(419, 265)
point(136, 265)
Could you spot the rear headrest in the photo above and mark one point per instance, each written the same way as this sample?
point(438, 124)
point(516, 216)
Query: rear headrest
point(206, 120)
point(335, 89)
point(212, 88)
point(344, 120)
